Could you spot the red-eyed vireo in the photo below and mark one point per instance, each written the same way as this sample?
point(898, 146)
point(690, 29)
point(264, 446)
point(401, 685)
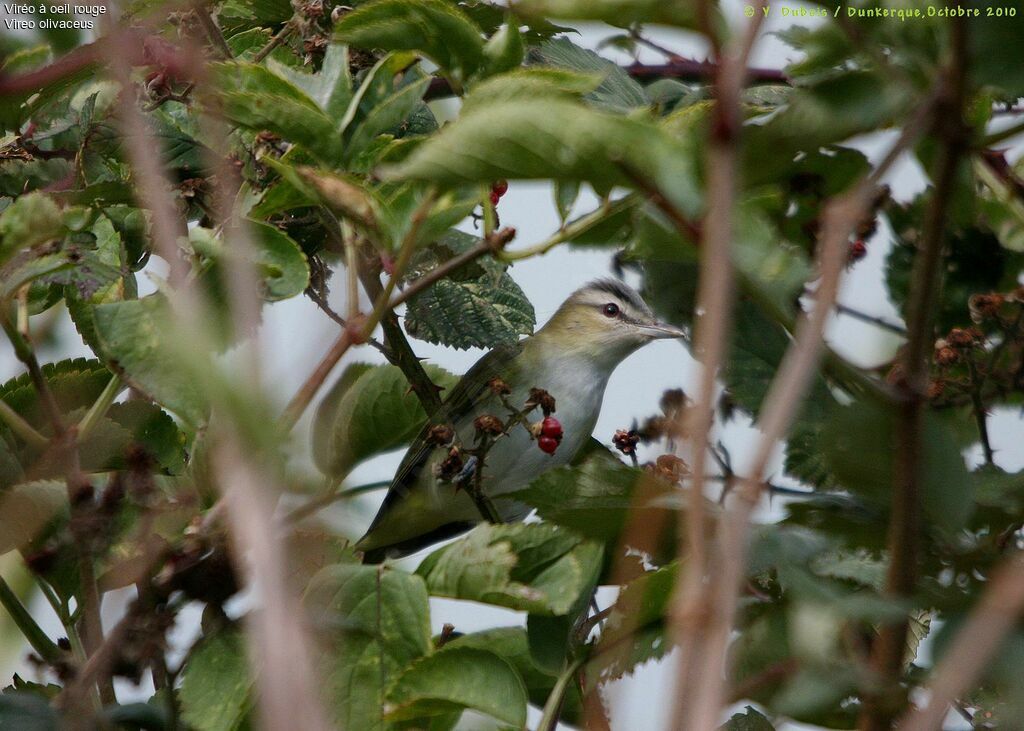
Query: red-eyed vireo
point(571, 358)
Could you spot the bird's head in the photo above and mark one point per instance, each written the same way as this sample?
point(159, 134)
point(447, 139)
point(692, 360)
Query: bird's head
point(605, 320)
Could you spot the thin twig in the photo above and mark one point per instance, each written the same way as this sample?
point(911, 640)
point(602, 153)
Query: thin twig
point(213, 32)
point(792, 380)
point(698, 692)
point(21, 428)
point(572, 229)
point(881, 707)
point(275, 41)
point(312, 384)
point(32, 632)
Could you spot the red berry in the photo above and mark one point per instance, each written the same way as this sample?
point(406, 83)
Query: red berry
point(858, 250)
point(495, 198)
point(551, 427)
point(548, 444)
point(500, 188)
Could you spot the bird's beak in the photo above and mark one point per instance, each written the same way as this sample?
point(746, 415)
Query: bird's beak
point(660, 330)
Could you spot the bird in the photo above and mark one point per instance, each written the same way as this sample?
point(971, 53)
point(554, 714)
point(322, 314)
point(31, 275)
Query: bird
point(571, 358)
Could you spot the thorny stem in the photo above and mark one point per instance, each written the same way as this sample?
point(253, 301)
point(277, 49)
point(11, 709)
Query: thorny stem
point(881, 707)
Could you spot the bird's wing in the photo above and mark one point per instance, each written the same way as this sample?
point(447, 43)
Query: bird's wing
point(461, 402)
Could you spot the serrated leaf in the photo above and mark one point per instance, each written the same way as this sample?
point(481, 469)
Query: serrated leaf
point(75, 384)
point(455, 678)
point(375, 623)
point(617, 91)
point(438, 30)
point(370, 410)
point(532, 567)
point(134, 335)
point(26, 509)
point(557, 139)
point(216, 692)
point(465, 312)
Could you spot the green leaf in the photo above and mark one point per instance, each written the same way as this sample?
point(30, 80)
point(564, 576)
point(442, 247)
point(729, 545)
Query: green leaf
point(617, 92)
point(557, 139)
point(216, 693)
point(30, 220)
point(991, 40)
point(512, 644)
point(437, 29)
point(377, 623)
point(151, 429)
point(859, 445)
point(27, 712)
point(255, 97)
point(504, 50)
point(280, 261)
point(134, 336)
point(75, 384)
point(330, 88)
point(758, 346)
point(455, 678)
point(596, 497)
point(534, 82)
point(748, 720)
point(831, 110)
point(533, 567)
point(385, 116)
point(26, 509)
point(465, 309)
point(368, 411)
point(636, 631)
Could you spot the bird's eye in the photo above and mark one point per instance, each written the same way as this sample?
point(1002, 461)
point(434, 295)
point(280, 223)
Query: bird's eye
point(611, 309)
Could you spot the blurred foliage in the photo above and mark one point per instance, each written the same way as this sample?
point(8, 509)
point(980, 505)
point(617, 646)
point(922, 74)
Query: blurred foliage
point(311, 142)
